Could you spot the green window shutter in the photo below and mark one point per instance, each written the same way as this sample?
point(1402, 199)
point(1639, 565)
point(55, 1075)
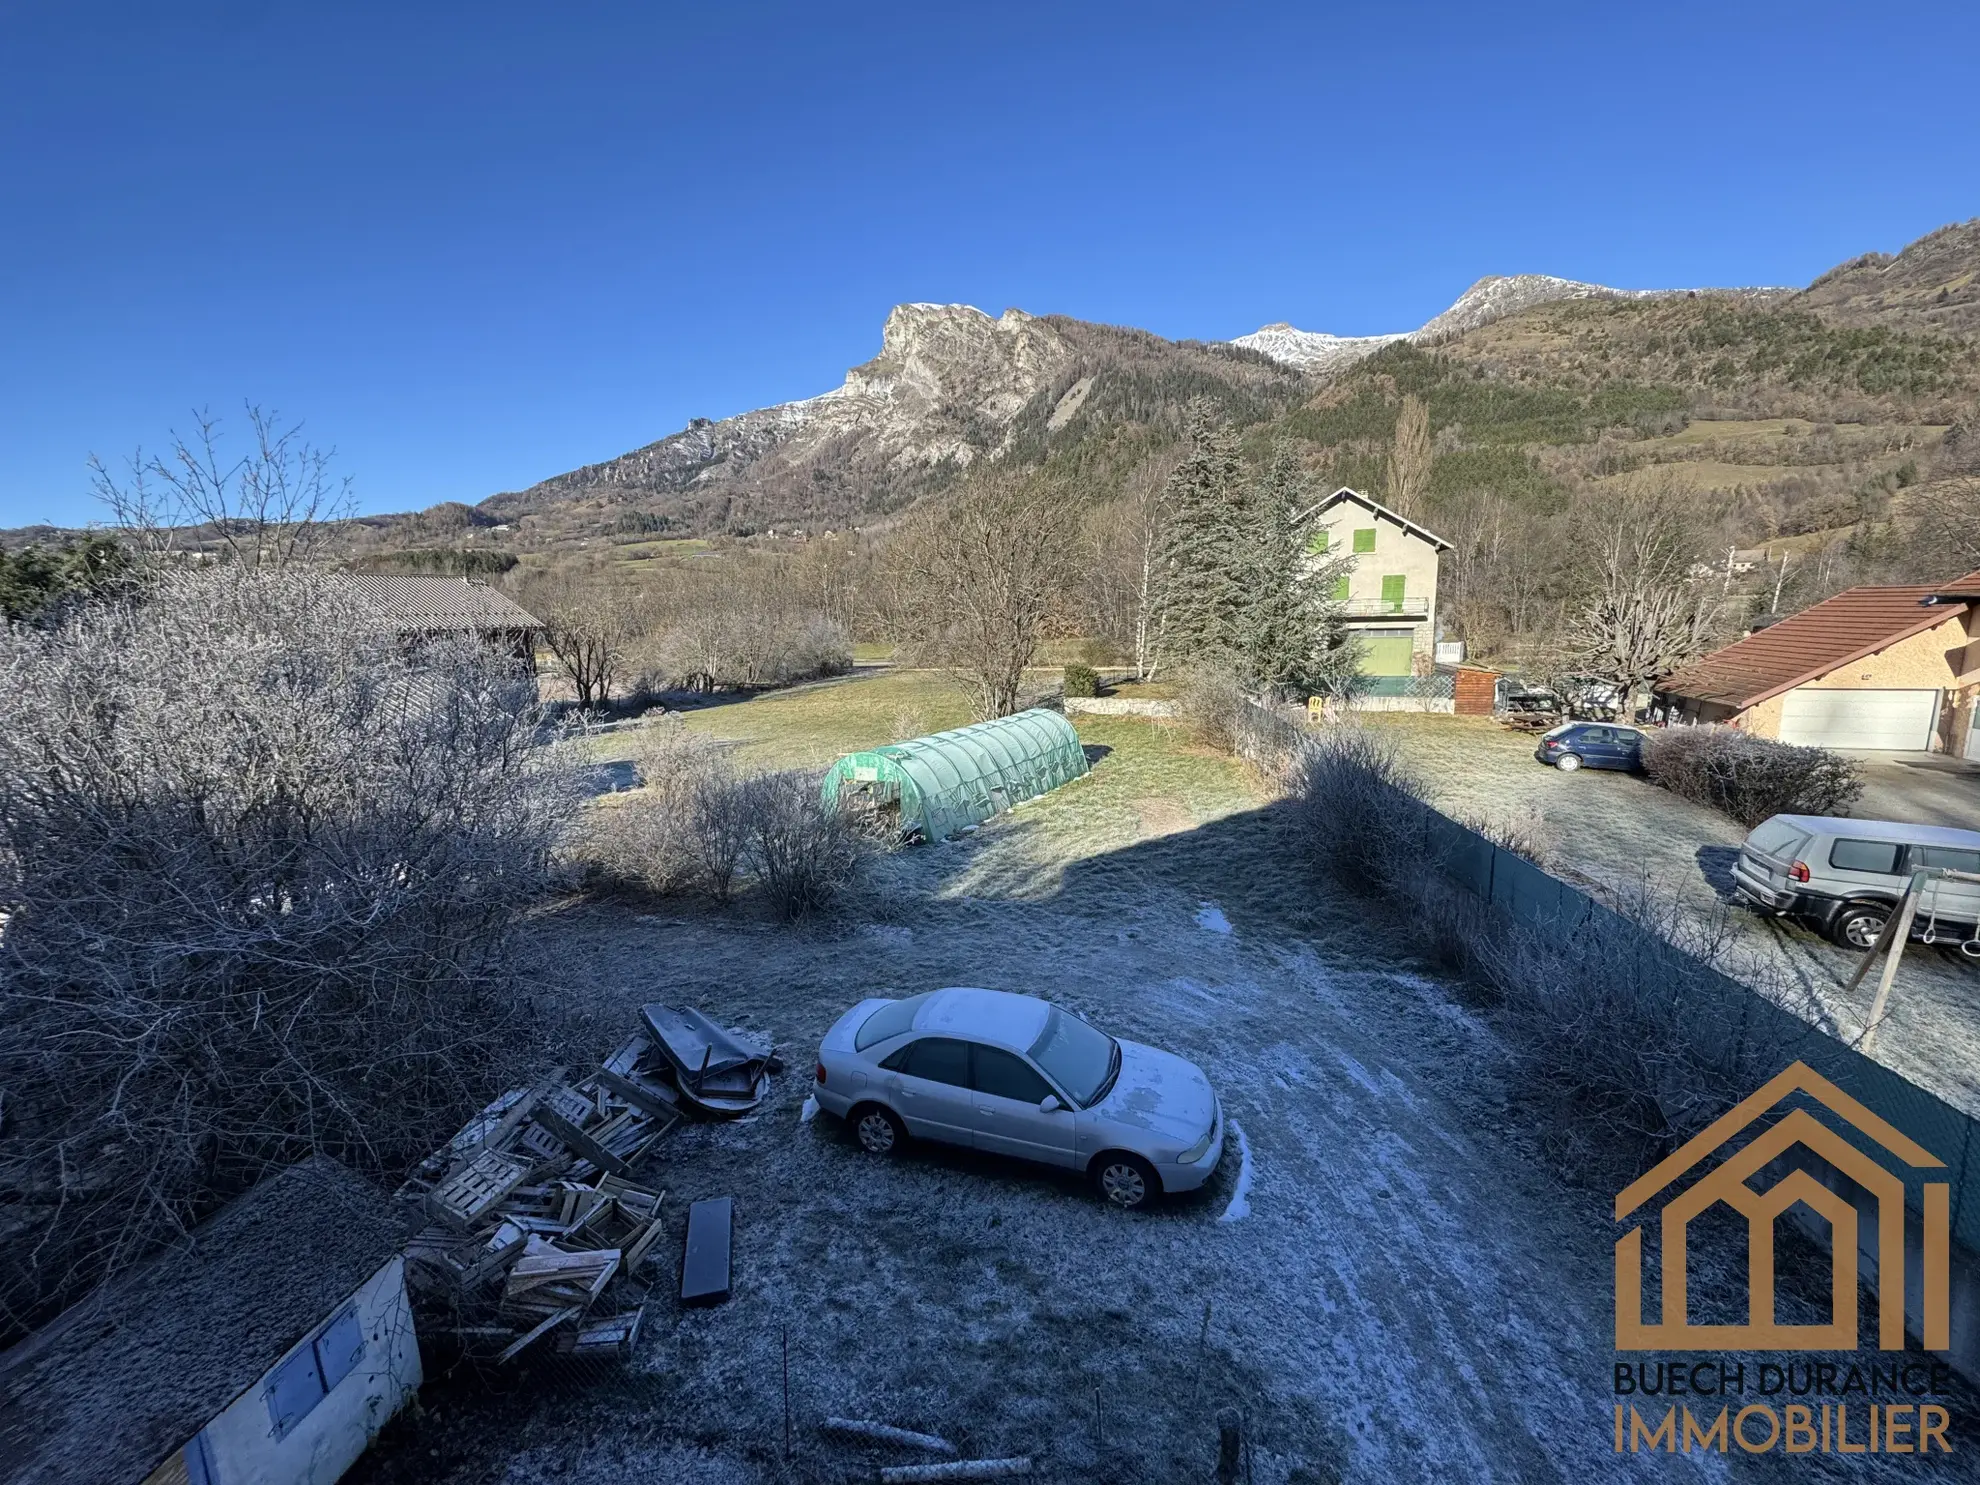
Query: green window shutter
point(1392, 591)
point(1340, 589)
point(1364, 539)
point(1317, 542)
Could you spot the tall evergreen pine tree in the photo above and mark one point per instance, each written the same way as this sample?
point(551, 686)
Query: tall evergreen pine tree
point(1236, 587)
point(1291, 632)
point(1202, 588)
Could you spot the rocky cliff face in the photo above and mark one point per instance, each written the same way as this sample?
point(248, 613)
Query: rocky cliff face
point(951, 387)
point(947, 385)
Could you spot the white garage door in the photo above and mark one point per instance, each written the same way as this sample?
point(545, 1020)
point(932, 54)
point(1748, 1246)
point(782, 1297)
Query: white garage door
point(1860, 719)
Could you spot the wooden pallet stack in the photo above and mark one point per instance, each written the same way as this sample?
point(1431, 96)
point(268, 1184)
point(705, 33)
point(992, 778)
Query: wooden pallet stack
point(537, 1228)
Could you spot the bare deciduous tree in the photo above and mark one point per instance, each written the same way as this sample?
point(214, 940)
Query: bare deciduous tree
point(1644, 614)
point(1409, 458)
point(276, 504)
point(587, 632)
point(1947, 534)
point(1126, 537)
point(977, 577)
point(258, 872)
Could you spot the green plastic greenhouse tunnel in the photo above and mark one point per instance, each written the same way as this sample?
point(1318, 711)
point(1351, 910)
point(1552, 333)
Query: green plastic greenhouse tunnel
point(934, 786)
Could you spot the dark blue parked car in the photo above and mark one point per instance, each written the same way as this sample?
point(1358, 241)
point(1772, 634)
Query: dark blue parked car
point(1575, 745)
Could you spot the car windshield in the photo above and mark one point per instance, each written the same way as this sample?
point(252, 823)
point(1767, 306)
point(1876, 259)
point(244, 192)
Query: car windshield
point(1076, 1057)
point(889, 1021)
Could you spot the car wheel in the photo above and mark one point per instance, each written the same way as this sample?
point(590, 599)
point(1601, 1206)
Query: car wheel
point(878, 1131)
point(1126, 1181)
point(1858, 927)
point(1567, 762)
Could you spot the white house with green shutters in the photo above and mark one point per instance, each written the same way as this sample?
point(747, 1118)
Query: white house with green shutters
point(1391, 591)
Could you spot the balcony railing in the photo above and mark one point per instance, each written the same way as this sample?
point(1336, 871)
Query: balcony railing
point(1378, 608)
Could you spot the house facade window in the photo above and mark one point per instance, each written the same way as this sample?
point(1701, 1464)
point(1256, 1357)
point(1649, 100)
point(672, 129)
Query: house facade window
point(1341, 589)
point(1392, 591)
point(1364, 539)
point(1317, 542)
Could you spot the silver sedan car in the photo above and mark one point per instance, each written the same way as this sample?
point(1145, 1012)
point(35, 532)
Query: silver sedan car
point(1017, 1075)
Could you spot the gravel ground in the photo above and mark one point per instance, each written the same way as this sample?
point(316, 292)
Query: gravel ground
point(1386, 1274)
point(1618, 832)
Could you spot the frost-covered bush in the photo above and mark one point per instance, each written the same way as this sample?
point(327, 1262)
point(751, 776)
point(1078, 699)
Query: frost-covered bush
point(259, 874)
point(1750, 778)
point(802, 854)
point(700, 826)
point(1211, 702)
point(1623, 1020)
point(684, 831)
point(1359, 818)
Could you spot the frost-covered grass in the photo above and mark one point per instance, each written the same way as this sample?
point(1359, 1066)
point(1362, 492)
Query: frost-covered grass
point(1613, 831)
point(1413, 1294)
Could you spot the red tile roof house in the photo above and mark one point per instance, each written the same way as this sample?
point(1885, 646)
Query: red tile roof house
point(1892, 669)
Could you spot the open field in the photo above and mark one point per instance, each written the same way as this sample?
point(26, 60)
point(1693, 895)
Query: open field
point(1388, 1273)
point(1619, 833)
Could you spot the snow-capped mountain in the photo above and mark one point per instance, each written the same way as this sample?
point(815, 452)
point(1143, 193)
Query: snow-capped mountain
point(1494, 297)
point(1314, 351)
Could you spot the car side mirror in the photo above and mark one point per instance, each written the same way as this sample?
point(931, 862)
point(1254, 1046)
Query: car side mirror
point(1049, 1104)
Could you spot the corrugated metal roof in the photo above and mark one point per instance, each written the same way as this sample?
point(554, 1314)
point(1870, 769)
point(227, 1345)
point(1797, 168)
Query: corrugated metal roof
point(440, 602)
point(1835, 632)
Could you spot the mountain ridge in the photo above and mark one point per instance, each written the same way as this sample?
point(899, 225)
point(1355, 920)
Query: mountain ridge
point(953, 387)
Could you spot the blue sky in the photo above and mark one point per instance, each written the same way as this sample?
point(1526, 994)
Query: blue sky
point(476, 245)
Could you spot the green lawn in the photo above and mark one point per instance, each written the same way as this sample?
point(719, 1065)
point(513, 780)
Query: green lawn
point(1150, 781)
point(810, 726)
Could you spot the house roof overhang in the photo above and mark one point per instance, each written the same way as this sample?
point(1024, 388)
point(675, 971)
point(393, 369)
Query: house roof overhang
point(1376, 506)
point(1855, 624)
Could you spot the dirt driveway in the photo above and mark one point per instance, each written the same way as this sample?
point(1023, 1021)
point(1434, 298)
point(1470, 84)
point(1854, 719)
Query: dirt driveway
point(1617, 832)
point(1386, 1273)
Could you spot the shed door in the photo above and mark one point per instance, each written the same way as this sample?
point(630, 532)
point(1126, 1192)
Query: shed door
point(1894, 720)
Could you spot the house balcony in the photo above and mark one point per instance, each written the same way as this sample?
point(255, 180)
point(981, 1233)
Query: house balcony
point(1387, 608)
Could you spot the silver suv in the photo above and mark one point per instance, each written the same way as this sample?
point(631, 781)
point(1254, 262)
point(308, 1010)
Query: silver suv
point(1844, 877)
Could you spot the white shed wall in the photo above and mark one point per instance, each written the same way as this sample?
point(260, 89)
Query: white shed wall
point(241, 1441)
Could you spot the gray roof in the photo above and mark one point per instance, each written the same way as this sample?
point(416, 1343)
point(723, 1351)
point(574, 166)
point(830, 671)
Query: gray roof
point(115, 1383)
point(440, 603)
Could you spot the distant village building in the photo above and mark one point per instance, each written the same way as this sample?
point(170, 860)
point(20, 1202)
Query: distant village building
point(1390, 594)
point(268, 1348)
point(424, 606)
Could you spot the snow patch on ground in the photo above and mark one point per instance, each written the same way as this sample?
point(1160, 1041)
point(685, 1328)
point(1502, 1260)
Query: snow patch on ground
point(1211, 918)
point(1360, 1074)
point(887, 933)
point(810, 1110)
point(1240, 1205)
